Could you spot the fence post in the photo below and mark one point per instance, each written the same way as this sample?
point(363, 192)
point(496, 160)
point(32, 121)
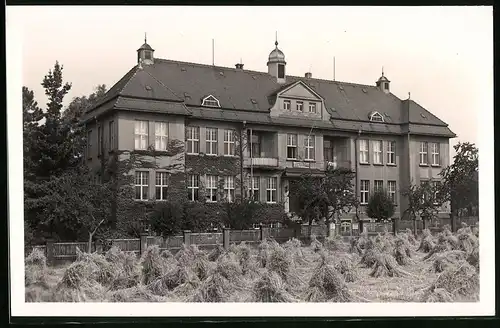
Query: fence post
point(187, 237)
point(49, 247)
point(225, 238)
point(394, 226)
point(143, 243)
point(98, 247)
point(264, 233)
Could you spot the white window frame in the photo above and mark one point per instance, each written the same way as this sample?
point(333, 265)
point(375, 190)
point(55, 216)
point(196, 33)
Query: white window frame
point(141, 135)
point(211, 182)
point(271, 190)
point(364, 191)
point(391, 189)
point(364, 152)
point(161, 136)
point(299, 106)
point(375, 182)
point(312, 107)
point(211, 135)
point(377, 153)
point(142, 182)
point(376, 117)
point(435, 154)
point(193, 187)
point(309, 146)
point(193, 139)
point(229, 143)
point(254, 187)
point(161, 182)
point(391, 152)
point(434, 185)
point(229, 188)
point(291, 142)
point(210, 101)
point(287, 105)
point(424, 153)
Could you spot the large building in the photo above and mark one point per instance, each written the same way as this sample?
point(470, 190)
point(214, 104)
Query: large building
point(215, 133)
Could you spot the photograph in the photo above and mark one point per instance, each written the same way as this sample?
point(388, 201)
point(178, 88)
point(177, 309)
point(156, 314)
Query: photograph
point(297, 156)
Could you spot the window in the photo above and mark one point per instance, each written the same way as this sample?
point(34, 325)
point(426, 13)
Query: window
point(391, 152)
point(141, 185)
point(211, 188)
point(386, 86)
point(147, 54)
point(365, 191)
point(435, 153)
point(229, 188)
point(309, 147)
point(254, 188)
point(287, 105)
point(291, 146)
point(229, 142)
point(99, 140)
point(193, 139)
point(378, 185)
point(161, 185)
point(112, 134)
point(271, 190)
point(255, 146)
point(376, 117)
point(312, 107)
point(210, 101)
point(328, 150)
point(363, 151)
point(377, 152)
point(141, 135)
point(435, 188)
point(281, 71)
point(193, 187)
point(211, 136)
point(391, 188)
point(423, 153)
point(161, 136)
point(300, 106)
point(89, 144)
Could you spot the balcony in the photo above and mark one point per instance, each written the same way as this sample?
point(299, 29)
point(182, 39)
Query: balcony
point(335, 164)
point(261, 162)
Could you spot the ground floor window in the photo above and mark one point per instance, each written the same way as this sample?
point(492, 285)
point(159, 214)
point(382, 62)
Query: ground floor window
point(229, 188)
point(141, 185)
point(161, 185)
point(272, 190)
point(193, 186)
point(211, 188)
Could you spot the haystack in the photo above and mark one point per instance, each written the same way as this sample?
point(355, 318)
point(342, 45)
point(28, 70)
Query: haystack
point(36, 258)
point(228, 267)
point(271, 288)
point(402, 251)
point(294, 248)
point(386, 266)
point(186, 255)
point(354, 246)
point(316, 245)
point(344, 264)
point(467, 242)
point(473, 258)
point(215, 289)
point(426, 244)
point(327, 285)
point(444, 260)
point(153, 265)
point(201, 267)
point(411, 237)
point(335, 244)
point(461, 281)
point(370, 253)
point(215, 253)
point(78, 284)
point(35, 269)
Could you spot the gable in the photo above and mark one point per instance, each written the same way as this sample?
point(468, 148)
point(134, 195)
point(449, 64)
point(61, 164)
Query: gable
point(299, 90)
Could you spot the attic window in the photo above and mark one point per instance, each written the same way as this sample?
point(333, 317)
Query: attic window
point(423, 116)
point(341, 87)
point(364, 90)
point(376, 117)
point(183, 69)
point(254, 77)
point(148, 88)
point(221, 73)
point(186, 95)
point(210, 101)
point(254, 101)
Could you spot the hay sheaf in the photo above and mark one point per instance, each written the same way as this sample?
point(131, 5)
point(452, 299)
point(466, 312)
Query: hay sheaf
point(444, 260)
point(134, 294)
point(335, 244)
point(473, 258)
point(270, 287)
point(216, 288)
point(153, 265)
point(36, 258)
point(187, 254)
point(327, 285)
point(316, 245)
point(79, 283)
point(402, 251)
point(344, 264)
point(426, 244)
point(467, 242)
point(386, 266)
point(370, 253)
point(215, 253)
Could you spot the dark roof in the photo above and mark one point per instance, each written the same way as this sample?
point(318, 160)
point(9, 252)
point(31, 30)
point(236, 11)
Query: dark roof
point(247, 93)
point(145, 46)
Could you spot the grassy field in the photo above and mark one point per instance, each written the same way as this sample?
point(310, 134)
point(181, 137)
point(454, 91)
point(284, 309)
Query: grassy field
point(386, 268)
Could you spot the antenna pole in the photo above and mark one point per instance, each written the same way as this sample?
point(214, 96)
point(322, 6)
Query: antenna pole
point(213, 54)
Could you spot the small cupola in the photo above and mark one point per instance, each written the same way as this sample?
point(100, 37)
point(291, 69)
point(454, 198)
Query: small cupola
point(276, 63)
point(383, 83)
point(145, 54)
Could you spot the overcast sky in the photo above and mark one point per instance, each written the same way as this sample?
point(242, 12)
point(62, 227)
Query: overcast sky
point(442, 55)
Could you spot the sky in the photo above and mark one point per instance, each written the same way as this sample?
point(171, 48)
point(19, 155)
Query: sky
point(443, 56)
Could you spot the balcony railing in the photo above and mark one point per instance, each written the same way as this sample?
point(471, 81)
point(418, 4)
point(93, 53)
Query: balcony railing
point(262, 161)
point(336, 164)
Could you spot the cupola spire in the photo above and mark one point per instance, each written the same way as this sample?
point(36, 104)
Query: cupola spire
point(383, 82)
point(276, 63)
point(145, 53)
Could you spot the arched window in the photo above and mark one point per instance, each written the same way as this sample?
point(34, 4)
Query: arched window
point(376, 117)
point(210, 101)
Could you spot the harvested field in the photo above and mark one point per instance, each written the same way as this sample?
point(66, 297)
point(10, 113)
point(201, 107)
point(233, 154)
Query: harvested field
point(384, 268)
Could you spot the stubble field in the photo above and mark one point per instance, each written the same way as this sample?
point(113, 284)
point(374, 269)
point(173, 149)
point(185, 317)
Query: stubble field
point(385, 268)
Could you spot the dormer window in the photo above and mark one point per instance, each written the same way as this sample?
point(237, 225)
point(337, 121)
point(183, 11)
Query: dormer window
point(376, 117)
point(210, 101)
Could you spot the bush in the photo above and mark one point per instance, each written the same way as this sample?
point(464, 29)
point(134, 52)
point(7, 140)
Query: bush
point(380, 206)
point(167, 218)
point(241, 214)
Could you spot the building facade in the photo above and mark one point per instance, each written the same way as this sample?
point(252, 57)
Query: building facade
point(209, 133)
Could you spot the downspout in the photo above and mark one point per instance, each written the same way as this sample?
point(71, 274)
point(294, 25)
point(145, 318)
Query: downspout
point(251, 165)
point(241, 158)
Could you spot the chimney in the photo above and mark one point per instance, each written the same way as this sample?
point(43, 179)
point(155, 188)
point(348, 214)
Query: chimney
point(308, 75)
point(239, 66)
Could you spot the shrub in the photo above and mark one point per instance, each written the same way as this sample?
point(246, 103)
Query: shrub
point(167, 218)
point(240, 215)
point(380, 206)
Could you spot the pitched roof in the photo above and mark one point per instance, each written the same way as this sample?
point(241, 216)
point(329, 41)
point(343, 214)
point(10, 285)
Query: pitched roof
point(253, 92)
